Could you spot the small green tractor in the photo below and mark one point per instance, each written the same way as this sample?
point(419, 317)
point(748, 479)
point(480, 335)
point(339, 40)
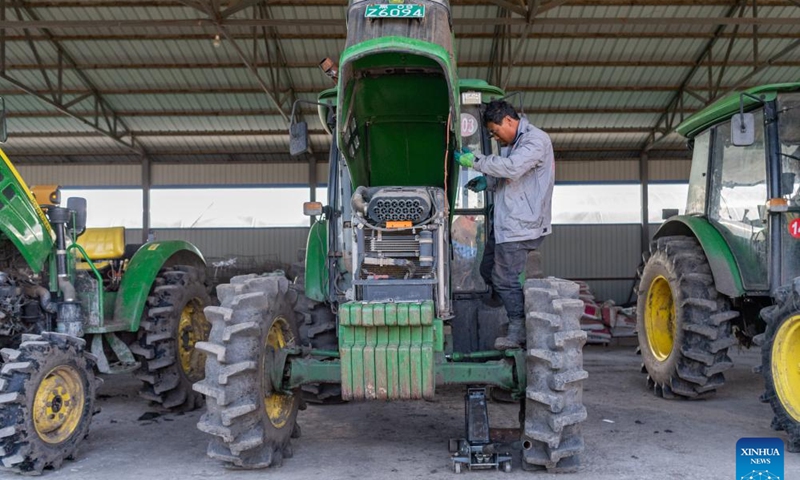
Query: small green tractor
point(728, 271)
point(77, 301)
point(391, 299)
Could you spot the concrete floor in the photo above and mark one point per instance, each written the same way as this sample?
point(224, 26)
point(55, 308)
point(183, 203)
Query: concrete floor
point(629, 433)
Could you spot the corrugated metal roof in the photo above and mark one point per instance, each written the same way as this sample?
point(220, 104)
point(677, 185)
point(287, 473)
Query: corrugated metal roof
point(578, 79)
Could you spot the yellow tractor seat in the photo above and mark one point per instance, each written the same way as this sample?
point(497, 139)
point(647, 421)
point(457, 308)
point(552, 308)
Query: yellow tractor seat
point(101, 244)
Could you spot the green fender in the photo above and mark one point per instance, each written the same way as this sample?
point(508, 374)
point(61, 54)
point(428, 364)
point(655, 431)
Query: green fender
point(727, 277)
point(316, 278)
point(142, 272)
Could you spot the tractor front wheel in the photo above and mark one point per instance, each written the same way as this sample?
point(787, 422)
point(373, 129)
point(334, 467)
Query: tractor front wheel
point(250, 420)
point(781, 362)
point(47, 392)
point(553, 405)
point(683, 323)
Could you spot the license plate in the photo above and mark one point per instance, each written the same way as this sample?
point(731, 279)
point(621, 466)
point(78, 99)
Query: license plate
point(395, 11)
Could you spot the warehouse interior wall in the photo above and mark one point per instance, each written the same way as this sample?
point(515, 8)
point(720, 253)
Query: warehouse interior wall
point(606, 256)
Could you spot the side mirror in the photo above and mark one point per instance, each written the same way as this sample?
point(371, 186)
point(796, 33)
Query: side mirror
point(78, 205)
point(3, 123)
point(668, 213)
point(312, 209)
point(298, 138)
point(743, 129)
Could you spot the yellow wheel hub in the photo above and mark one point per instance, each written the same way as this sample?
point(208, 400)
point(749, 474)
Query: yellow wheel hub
point(659, 319)
point(278, 406)
point(192, 328)
point(786, 366)
point(58, 404)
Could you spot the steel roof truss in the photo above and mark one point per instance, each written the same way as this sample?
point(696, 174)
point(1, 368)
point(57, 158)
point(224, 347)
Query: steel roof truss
point(103, 118)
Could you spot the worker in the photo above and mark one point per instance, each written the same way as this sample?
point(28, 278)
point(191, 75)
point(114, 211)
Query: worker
point(522, 180)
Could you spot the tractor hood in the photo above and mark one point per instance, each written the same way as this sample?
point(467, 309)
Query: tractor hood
point(22, 222)
point(397, 105)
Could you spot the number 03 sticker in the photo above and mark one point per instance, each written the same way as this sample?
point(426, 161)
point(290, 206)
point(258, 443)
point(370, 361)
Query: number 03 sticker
point(794, 228)
point(469, 125)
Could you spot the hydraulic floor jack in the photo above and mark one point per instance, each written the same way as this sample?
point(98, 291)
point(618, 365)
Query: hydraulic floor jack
point(477, 451)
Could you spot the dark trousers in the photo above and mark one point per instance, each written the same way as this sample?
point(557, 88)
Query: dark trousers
point(501, 267)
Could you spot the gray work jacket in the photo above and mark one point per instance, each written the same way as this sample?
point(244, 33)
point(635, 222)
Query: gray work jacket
point(523, 185)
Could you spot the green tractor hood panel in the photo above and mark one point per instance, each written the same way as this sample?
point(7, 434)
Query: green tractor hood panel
point(398, 108)
point(21, 220)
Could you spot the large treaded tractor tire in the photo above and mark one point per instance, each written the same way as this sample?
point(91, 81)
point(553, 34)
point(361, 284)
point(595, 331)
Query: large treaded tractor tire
point(683, 323)
point(553, 408)
point(251, 424)
point(47, 392)
point(317, 328)
point(165, 347)
point(780, 366)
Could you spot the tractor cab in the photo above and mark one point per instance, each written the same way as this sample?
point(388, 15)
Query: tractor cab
point(745, 180)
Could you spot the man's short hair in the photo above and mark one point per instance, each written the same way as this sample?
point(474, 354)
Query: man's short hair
point(497, 110)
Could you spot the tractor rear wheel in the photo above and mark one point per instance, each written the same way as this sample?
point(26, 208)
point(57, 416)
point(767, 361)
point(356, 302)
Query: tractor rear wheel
point(47, 392)
point(683, 323)
point(553, 408)
point(251, 422)
point(175, 322)
point(781, 362)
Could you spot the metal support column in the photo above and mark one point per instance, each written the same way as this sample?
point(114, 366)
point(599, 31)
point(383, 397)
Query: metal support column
point(146, 181)
point(644, 180)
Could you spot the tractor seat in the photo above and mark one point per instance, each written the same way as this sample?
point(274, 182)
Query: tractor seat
point(101, 245)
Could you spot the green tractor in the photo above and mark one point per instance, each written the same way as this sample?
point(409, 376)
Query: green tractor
point(77, 301)
point(391, 296)
point(728, 271)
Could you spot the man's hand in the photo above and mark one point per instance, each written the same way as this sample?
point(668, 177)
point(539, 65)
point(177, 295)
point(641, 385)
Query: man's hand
point(477, 184)
point(465, 157)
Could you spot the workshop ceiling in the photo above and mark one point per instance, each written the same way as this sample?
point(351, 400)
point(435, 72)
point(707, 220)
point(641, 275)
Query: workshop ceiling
point(197, 81)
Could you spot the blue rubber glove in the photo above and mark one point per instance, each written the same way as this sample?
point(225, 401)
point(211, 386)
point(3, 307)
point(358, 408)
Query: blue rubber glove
point(477, 184)
point(465, 157)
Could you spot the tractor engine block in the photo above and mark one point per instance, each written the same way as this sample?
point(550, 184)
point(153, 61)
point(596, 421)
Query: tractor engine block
point(400, 245)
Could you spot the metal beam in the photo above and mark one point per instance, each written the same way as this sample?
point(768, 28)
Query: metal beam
point(590, 154)
point(250, 62)
point(739, 84)
point(277, 133)
point(510, 6)
point(104, 119)
point(666, 122)
point(239, 5)
point(316, 22)
point(465, 64)
point(259, 112)
point(494, 72)
point(316, 89)
point(534, 8)
point(760, 68)
point(205, 37)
